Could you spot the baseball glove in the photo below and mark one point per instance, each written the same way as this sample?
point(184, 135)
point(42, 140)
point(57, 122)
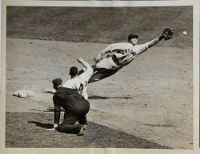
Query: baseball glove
point(167, 34)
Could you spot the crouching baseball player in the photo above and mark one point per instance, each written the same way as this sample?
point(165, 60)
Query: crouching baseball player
point(119, 55)
point(72, 96)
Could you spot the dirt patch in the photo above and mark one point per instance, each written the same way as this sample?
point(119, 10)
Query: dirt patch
point(151, 98)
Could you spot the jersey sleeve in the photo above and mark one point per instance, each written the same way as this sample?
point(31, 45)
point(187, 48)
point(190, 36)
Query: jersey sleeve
point(140, 48)
point(116, 47)
point(119, 46)
point(85, 76)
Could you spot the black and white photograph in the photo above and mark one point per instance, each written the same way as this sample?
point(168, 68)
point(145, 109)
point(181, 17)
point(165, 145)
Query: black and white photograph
point(102, 76)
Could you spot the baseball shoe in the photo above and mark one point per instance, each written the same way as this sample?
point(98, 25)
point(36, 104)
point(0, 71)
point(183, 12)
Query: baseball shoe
point(85, 127)
point(81, 132)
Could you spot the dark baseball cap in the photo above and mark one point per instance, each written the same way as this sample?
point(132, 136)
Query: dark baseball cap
point(73, 71)
point(132, 36)
point(57, 81)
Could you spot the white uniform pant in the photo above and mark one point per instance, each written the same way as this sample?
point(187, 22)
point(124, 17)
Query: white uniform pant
point(106, 63)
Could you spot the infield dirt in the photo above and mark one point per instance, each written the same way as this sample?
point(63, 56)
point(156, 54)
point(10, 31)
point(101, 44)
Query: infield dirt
point(151, 98)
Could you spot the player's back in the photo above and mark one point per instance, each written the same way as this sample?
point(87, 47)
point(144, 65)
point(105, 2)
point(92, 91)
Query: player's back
point(80, 82)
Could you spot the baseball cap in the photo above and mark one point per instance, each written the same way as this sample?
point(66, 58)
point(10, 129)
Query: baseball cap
point(132, 36)
point(57, 81)
point(73, 71)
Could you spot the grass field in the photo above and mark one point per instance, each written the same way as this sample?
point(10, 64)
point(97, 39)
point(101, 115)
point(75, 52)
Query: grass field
point(147, 104)
point(28, 134)
point(101, 25)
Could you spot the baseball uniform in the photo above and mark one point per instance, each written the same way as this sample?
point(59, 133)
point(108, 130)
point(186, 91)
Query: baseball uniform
point(76, 107)
point(123, 54)
point(72, 96)
point(80, 82)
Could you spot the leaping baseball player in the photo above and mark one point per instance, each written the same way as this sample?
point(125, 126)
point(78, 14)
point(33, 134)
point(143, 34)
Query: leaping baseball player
point(118, 55)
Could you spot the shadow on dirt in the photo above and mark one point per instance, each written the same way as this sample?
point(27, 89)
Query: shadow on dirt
point(51, 109)
point(101, 97)
point(43, 125)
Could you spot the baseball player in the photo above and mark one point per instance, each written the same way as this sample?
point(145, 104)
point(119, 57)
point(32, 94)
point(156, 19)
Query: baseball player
point(72, 96)
point(119, 55)
point(79, 82)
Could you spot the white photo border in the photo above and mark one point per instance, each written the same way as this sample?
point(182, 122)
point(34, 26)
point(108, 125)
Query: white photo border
point(194, 3)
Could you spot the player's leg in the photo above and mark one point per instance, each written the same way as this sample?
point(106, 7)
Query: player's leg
point(83, 123)
point(103, 73)
point(106, 63)
point(103, 69)
point(83, 120)
point(68, 125)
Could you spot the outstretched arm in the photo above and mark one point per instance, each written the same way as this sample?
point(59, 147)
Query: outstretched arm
point(88, 72)
point(84, 63)
point(155, 41)
point(167, 34)
point(150, 44)
point(48, 90)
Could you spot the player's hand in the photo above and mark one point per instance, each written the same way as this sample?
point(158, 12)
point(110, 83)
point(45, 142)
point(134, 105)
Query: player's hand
point(48, 90)
point(54, 127)
point(98, 58)
point(167, 34)
point(80, 60)
point(51, 129)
